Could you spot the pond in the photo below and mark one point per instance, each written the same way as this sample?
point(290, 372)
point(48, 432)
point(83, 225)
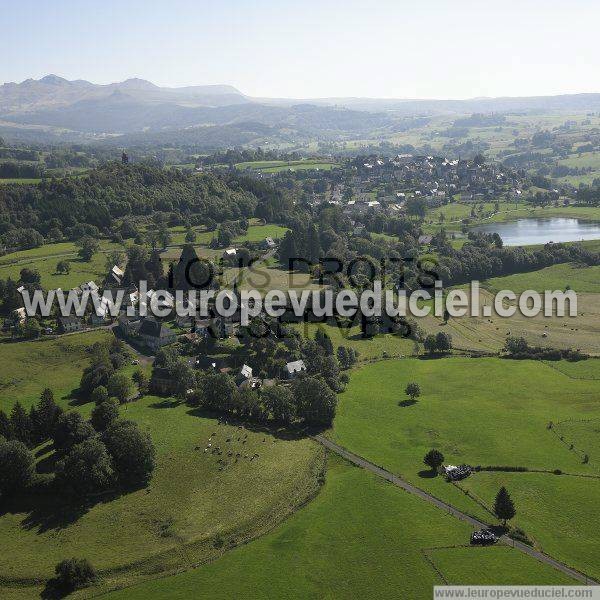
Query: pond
point(541, 231)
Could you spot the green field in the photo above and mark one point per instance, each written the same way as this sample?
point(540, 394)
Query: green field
point(583, 369)
point(582, 279)
point(490, 334)
point(369, 349)
point(255, 233)
point(586, 213)
point(469, 409)
point(174, 523)
point(191, 500)
point(275, 166)
point(360, 538)
point(26, 368)
point(30, 180)
point(45, 258)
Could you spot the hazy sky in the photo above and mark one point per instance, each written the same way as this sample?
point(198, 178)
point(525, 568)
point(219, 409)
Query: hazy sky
point(427, 49)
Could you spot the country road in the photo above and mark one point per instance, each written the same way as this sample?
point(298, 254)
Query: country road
point(411, 489)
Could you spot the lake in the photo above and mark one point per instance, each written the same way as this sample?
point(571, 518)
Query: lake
point(541, 231)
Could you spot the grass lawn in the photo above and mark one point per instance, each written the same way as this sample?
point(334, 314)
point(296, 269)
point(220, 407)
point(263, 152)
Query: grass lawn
point(257, 233)
point(360, 538)
point(275, 166)
point(489, 334)
point(582, 279)
point(368, 348)
point(586, 213)
point(30, 180)
point(469, 409)
point(190, 503)
point(45, 258)
point(456, 211)
point(484, 566)
point(26, 368)
point(264, 278)
point(583, 369)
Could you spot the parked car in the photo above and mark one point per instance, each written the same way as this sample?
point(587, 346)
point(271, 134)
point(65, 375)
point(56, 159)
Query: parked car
point(135, 361)
point(484, 537)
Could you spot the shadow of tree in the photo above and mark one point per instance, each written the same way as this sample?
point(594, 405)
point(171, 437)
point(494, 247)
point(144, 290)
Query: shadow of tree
point(408, 402)
point(277, 430)
point(427, 474)
point(48, 508)
point(166, 403)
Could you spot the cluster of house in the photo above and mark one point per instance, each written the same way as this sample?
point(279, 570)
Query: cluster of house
point(433, 178)
point(162, 383)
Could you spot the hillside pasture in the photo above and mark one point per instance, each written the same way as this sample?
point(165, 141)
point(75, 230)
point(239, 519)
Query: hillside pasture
point(488, 334)
point(360, 537)
point(468, 409)
point(581, 278)
point(195, 500)
point(45, 259)
point(26, 368)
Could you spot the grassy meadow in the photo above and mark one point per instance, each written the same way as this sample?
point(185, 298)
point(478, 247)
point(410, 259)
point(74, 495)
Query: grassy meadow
point(193, 510)
point(582, 279)
point(276, 166)
point(26, 368)
point(45, 258)
point(380, 346)
point(468, 409)
point(197, 506)
point(488, 334)
point(361, 537)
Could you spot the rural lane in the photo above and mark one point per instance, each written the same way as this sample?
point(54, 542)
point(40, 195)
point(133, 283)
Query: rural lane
point(411, 489)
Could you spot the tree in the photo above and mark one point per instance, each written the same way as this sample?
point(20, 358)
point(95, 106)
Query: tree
point(504, 507)
point(71, 429)
point(63, 267)
point(99, 395)
point(215, 391)
point(88, 246)
point(288, 250)
point(443, 341)
point(434, 459)
point(184, 377)
point(142, 381)
point(105, 414)
point(86, 469)
point(279, 401)
point(315, 400)
point(190, 236)
point(21, 425)
point(416, 207)
point(17, 466)
point(516, 345)
point(430, 344)
point(119, 386)
point(324, 341)
point(5, 426)
point(73, 574)
point(30, 276)
point(46, 415)
point(413, 390)
point(113, 259)
point(30, 329)
point(132, 452)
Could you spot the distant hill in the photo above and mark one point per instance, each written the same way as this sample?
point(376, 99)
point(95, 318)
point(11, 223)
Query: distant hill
point(54, 108)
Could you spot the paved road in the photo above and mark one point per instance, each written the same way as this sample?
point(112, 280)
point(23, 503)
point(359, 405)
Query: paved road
point(411, 489)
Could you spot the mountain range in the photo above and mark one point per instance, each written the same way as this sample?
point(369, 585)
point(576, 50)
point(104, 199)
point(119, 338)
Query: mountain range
point(139, 110)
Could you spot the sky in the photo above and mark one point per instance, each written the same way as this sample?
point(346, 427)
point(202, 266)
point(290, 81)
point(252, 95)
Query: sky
point(310, 49)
